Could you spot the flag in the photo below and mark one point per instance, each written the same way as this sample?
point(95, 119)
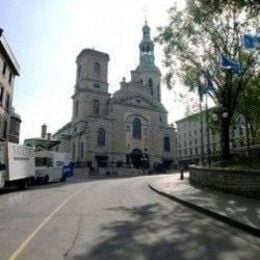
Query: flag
point(228, 64)
point(251, 41)
point(201, 91)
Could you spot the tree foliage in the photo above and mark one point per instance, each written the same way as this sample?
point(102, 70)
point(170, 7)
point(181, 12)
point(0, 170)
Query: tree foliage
point(249, 107)
point(193, 41)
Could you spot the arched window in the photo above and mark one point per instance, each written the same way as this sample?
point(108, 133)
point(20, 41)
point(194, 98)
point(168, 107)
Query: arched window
point(81, 150)
point(73, 152)
point(166, 144)
point(97, 69)
point(96, 106)
point(79, 71)
point(159, 92)
point(76, 108)
point(137, 128)
point(150, 84)
point(101, 137)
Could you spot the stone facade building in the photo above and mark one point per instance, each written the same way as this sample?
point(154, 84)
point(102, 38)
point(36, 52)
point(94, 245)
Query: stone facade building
point(129, 127)
point(9, 68)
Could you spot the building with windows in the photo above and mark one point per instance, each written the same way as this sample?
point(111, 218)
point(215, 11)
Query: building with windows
point(9, 68)
point(192, 138)
point(131, 126)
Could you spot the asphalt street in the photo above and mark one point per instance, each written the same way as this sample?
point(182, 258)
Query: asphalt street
point(112, 219)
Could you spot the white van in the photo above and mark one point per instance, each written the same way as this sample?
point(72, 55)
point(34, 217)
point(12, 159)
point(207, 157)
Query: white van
point(50, 165)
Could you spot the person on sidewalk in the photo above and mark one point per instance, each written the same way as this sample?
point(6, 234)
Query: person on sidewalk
point(182, 172)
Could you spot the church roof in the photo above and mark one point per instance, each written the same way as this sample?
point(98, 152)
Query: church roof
point(131, 91)
point(147, 67)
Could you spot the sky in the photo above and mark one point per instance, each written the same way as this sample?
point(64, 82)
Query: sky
point(47, 35)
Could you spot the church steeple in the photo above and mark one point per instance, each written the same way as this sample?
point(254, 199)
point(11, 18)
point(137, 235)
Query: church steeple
point(146, 47)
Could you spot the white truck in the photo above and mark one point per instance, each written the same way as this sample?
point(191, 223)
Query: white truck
point(50, 166)
point(17, 167)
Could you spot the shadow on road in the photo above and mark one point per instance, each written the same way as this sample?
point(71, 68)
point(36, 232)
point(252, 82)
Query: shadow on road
point(150, 233)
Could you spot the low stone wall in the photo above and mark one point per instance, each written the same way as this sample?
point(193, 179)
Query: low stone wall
point(240, 182)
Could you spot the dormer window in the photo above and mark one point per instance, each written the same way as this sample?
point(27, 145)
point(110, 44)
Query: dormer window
point(97, 69)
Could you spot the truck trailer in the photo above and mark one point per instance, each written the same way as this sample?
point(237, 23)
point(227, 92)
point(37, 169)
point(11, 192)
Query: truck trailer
point(17, 166)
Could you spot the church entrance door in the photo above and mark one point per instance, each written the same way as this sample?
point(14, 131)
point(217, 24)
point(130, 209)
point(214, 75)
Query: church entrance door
point(136, 158)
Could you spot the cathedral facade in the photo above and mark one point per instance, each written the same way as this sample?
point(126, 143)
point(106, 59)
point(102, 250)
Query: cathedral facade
point(128, 127)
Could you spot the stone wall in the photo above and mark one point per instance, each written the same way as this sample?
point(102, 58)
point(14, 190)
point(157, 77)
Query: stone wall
point(240, 182)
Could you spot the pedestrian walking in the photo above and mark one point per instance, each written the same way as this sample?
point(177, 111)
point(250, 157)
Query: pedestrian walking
point(182, 172)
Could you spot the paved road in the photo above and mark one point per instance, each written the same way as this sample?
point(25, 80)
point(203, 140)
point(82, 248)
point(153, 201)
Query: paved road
point(112, 219)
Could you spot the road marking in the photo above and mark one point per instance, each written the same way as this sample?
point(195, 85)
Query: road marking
point(25, 243)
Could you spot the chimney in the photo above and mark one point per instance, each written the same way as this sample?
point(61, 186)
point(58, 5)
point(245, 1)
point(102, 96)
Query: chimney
point(44, 131)
point(49, 137)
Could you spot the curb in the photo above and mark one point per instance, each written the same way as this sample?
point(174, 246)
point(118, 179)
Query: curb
point(231, 222)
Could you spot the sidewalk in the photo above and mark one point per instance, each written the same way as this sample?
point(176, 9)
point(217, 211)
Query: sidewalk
point(234, 210)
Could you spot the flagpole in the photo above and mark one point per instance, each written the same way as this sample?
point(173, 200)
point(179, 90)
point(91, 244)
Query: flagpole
point(201, 134)
point(207, 125)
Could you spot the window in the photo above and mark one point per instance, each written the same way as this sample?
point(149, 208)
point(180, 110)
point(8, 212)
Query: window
point(166, 143)
point(150, 84)
point(96, 106)
point(137, 128)
point(76, 108)
point(101, 137)
point(79, 72)
point(7, 101)
point(5, 129)
point(97, 69)
point(96, 85)
point(81, 150)
point(1, 94)
point(4, 69)
point(141, 82)
point(159, 92)
point(73, 152)
point(10, 77)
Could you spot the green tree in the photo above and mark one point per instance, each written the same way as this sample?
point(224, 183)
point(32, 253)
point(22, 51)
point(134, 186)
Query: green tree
point(193, 41)
point(249, 107)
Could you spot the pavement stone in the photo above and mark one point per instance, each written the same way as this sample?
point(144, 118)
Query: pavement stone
point(234, 208)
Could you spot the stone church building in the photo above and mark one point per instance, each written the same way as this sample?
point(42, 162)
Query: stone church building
point(128, 127)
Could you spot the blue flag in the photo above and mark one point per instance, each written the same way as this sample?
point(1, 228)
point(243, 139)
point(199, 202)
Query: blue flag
point(251, 41)
point(228, 64)
point(210, 86)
